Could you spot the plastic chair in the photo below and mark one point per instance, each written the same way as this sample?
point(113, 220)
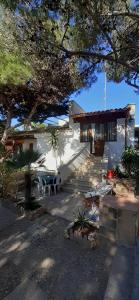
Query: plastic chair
point(56, 183)
point(46, 186)
point(41, 185)
point(38, 182)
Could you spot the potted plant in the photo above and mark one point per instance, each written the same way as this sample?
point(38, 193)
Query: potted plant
point(82, 226)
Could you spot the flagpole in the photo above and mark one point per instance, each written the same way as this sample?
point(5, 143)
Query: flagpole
point(105, 88)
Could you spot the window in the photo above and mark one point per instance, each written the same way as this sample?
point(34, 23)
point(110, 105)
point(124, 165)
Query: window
point(85, 132)
point(111, 131)
point(99, 131)
point(106, 131)
point(31, 146)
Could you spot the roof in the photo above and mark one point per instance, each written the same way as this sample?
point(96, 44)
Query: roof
point(102, 116)
point(29, 134)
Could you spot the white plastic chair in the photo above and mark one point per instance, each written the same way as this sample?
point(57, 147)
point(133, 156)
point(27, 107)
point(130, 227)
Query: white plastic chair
point(55, 184)
point(39, 184)
point(46, 186)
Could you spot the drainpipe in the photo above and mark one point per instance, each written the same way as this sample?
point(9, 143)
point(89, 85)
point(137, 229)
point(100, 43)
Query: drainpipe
point(125, 132)
point(131, 120)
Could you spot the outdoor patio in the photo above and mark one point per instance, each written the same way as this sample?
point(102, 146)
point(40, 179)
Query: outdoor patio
point(36, 262)
point(64, 205)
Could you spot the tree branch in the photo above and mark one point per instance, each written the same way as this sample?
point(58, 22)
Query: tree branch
point(122, 14)
point(107, 57)
point(67, 25)
point(32, 112)
point(7, 127)
point(132, 84)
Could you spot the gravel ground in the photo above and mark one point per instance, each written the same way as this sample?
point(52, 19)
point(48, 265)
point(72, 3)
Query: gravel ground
point(63, 269)
point(9, 279)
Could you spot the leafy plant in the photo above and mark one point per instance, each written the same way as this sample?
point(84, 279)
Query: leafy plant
point(119, 173)
point(81, 221)
point(53, 138)
point(5, 179)
point(24, 160)
point(129, 160)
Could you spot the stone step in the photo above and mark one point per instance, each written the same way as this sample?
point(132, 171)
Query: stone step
point(91, 168)
point(85, 181)
point(86, 177)
point(74, 190)
point(79, 185)
point(89, 173)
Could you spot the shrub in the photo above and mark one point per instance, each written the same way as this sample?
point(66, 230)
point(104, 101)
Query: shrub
point(130, 161)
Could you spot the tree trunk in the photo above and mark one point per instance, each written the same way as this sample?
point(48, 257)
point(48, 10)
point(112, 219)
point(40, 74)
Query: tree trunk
point(28, 189)
point(8, 125)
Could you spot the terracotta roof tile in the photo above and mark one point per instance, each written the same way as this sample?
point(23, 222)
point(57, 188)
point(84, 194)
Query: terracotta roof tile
point(116, 110)
point(111, 113)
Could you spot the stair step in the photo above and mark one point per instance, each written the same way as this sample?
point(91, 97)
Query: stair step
point(84, 181)
point(73, 190)
point(88, 174)
point(78, 185)
point(85, 188)
point(95, 170)
point(86, 177)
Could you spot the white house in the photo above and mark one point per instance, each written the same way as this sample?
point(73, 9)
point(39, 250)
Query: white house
point(103, 133)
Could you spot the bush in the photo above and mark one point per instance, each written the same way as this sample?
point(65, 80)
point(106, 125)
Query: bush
point(130, 161)
point(5, 179)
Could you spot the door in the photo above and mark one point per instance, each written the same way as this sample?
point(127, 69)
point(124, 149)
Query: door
point(99, 147)
point(86, 135)
point(99, 139)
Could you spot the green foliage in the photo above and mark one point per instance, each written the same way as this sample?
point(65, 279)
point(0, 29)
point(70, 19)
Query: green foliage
point(130, 161)
point(81, 221)
point(6, 177)
point(24, 158)
point(13, 69)
point(21, 160)
point(60, 46)
point(53, 138)
point(2, 151)
point(119, 173)
point(38, 125)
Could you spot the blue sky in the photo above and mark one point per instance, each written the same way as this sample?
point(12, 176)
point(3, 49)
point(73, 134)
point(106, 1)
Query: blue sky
point(118, 95)
point(92, 99)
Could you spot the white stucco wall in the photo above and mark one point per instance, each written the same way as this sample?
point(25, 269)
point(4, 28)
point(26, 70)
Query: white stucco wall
point(74, 108)
point(114, 150)
point(68, 149)
point(71, 153)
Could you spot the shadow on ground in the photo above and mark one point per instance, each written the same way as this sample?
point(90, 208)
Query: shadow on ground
point(36, 262)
